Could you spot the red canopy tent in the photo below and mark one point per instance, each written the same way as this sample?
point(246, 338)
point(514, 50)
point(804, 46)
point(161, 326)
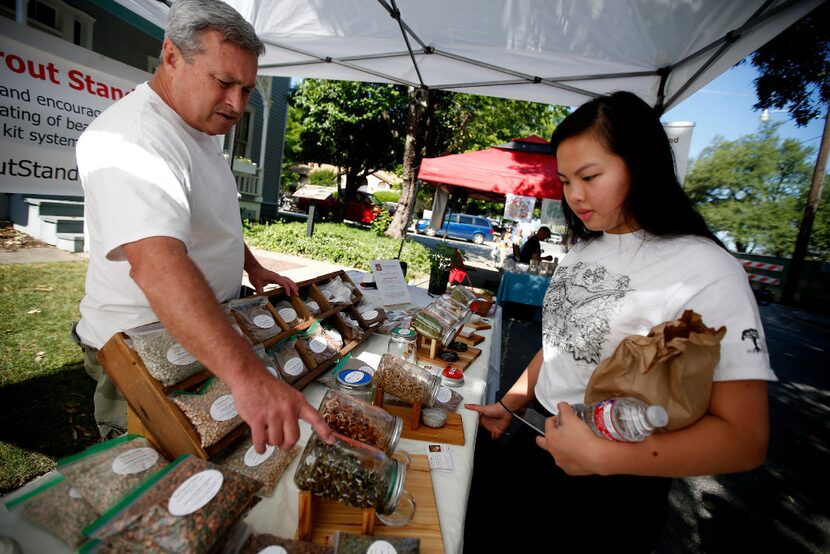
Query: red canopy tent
point(525, 167)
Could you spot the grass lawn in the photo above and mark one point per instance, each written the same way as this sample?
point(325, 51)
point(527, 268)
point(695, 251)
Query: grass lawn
point(45, 393)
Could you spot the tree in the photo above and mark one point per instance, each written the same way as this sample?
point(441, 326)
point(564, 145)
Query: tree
point(794, 68)
point(443, 122)
point(356, 126)
point(752, 189)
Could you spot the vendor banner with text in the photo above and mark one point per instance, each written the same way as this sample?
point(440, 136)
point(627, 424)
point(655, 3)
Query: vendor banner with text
point(50, 91)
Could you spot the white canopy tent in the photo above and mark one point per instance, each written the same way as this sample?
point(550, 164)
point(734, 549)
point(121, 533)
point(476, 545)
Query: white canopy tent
point(550, 51)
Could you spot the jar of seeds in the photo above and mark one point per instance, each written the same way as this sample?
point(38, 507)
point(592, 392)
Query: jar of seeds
point(361, 421)
point(355, 382)
point(403, 344)
point(454, 307)
point(352, 473)
point(407, 381)
point(466, 297)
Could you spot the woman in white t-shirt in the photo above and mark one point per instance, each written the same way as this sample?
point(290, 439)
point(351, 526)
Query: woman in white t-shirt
point(641, 256)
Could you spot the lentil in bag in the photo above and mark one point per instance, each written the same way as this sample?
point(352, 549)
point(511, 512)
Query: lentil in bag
point(348, 543)
point(189, 507)
point(165, 359)
point(289, 363)
point(287, 312)
point(105, 472)
point(316, 345)
point(56, 507)
point(257, 543)
point(255, 318)
point(211, 410)
point(267, 468)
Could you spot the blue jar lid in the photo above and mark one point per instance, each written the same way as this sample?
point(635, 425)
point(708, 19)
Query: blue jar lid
point(354, 378)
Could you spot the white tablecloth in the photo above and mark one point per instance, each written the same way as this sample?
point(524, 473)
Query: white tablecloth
point(278, 513)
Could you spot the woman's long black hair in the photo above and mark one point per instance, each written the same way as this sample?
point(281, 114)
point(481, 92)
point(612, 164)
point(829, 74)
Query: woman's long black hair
point(629, 128)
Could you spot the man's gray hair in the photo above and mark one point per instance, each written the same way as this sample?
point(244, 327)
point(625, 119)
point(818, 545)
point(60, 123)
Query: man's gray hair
point(188, 18)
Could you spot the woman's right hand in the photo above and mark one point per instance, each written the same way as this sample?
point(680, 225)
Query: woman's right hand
point(494, 417)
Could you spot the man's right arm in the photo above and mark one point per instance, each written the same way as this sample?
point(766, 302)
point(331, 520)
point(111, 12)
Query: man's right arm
point(177, 292)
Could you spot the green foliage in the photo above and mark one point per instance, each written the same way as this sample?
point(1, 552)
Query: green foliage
point(388, 195)
point(466, 122)
point(336, 243)
point(381, 223)
point(356, 126)
point(820, 238)
point(323, 178)
point(795, 66)
point(753, 189)
point(444, 257)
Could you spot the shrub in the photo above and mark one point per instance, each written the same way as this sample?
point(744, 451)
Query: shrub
point(381, 223)
point(388, 195)
point(323, 178)
point(336, 243)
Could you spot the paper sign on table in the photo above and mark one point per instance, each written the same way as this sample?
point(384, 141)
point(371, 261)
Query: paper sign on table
point(439, 457)
point(390, 282)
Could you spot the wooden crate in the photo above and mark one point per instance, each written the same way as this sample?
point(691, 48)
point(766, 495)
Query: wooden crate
point(153, 415)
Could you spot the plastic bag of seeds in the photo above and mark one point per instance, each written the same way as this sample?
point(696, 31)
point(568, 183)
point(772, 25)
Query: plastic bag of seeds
point(56, 507)
point(105, 472)
point(315, 345)
point(348, 543)
point(352, 330)
point(258, 543)
point(268, 360)
point(188, 507)
point(334, 337)
point(328, 378)
point(255, 318)
point(210, 409)
point(165, 359)
point(373, 315)
point(288, 313)
point(312, 305)
point(289, 363)
point(267, 468)
point(336, 292)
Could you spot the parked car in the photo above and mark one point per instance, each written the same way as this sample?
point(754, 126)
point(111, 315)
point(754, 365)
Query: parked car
point(460, 226)
point(555, 238)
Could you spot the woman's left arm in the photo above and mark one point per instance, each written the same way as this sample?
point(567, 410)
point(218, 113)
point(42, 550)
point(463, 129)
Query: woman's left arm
point(731, 437)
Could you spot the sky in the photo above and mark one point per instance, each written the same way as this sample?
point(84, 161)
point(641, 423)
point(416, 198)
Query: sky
point(724, 107)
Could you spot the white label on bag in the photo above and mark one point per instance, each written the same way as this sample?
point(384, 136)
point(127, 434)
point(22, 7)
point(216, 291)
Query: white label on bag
point(444, 395)
point(293, 367)
point(381, 547)
point(194, 493)
point(273, 371)
point(223, 408)
point(288, 314)
point(313, 306)
point(134, 461)
point(264, 321)
point(177, 355)
point(73, 493)
point(273, 549)
point(369, 314)
point(253, 458)
point(318, 345)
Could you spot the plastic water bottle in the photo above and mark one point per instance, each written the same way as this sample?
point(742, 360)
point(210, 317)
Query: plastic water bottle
point(625, 419)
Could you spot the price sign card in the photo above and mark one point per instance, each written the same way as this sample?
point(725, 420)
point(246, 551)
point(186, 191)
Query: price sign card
point(390, 282)
point(439, 457)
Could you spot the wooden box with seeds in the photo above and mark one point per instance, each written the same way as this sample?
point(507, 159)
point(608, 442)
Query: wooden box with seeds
point(155, 415)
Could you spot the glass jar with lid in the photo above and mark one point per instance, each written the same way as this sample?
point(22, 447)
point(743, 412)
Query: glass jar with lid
point(403, 344)
point(407, 381)
point(467, 296)
point(352, 473)
point(355, 382)
point(454, 307)
point(361, 421)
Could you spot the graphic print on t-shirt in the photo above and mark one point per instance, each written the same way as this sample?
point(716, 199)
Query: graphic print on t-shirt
point(755, 337)
point(579, 305)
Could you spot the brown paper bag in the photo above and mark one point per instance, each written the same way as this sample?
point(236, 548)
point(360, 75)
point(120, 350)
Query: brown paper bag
point(672, 366)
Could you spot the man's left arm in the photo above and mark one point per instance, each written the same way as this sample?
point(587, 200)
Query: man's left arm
point(260, 276)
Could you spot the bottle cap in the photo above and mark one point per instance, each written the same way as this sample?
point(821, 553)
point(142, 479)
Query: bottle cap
point(354, 379)
point(452, 377)
point(657, 416)
point(403, 332)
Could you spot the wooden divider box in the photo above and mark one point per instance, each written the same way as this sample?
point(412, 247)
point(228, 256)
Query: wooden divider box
point(152, 413)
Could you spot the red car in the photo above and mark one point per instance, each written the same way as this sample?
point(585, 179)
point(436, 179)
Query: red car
point(363, 209)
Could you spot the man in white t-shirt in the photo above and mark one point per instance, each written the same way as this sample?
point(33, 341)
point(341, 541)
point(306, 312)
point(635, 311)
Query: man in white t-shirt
point(163, 219)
